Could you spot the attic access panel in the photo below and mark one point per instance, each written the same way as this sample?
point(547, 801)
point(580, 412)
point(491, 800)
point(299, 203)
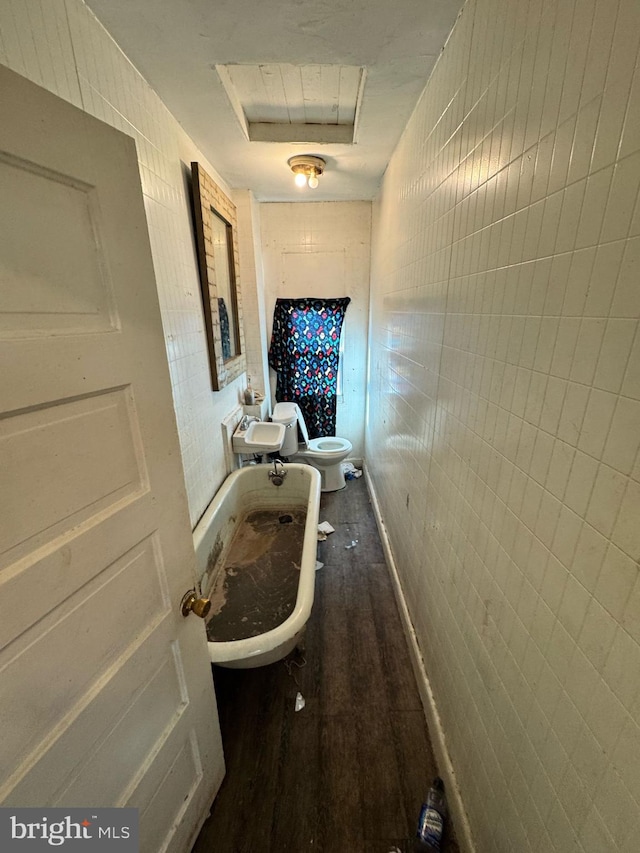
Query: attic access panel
point(295, 103)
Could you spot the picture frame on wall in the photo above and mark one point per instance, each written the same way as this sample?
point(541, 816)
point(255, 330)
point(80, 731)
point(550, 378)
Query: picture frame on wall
point(215, 221)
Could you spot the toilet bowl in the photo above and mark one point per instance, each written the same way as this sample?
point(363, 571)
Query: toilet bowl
point(326, 454)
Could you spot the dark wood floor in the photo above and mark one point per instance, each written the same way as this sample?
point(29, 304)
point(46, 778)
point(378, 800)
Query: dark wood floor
point(348, 773)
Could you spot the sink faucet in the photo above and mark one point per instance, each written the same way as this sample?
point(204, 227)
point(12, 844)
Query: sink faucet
point(246, 420)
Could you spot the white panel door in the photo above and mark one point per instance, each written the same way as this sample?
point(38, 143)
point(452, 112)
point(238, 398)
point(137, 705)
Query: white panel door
point(106, 696)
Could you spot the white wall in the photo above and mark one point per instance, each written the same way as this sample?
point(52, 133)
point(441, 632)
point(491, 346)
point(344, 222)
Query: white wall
point(505, 413)
point(60, 45)
point(323, 249)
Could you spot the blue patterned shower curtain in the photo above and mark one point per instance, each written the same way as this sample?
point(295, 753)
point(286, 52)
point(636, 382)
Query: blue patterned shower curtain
point(304, 352)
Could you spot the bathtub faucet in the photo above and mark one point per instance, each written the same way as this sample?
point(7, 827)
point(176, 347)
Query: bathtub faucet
point(277, 478)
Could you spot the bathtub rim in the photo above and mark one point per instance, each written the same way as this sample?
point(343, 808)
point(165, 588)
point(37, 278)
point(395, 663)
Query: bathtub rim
point(251, 647)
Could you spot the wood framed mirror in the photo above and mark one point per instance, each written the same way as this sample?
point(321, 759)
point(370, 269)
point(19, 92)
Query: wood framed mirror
point(217, 244)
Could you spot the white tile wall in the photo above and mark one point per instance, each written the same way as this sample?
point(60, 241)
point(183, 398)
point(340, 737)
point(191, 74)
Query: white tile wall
point(505, 413)
point(323, 249)
point(60, 45)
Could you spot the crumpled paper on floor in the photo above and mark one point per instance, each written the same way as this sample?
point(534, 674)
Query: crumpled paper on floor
point(350, 471)
point(323, 529)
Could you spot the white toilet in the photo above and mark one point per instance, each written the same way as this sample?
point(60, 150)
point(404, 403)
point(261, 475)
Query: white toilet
point(325, 454)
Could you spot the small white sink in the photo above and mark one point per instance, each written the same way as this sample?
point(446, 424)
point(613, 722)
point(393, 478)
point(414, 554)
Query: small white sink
point(259, 437)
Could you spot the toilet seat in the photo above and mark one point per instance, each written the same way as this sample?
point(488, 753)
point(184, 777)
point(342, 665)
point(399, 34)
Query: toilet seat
point(328, 449)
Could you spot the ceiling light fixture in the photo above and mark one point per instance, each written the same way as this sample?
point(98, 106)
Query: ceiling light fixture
point(307, 169)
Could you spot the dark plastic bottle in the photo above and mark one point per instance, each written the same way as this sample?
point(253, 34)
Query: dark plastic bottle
point(432, 818)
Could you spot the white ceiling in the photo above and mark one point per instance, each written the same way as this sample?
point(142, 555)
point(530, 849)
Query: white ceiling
point(178, 45)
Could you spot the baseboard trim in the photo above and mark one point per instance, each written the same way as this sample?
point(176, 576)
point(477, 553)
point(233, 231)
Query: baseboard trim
point(454, 797)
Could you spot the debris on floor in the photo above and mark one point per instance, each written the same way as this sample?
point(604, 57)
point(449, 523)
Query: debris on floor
point(350, 471)
point(299, 701)
point(291, 662)
point(319, 565)
point(324, 528)
point(354, 542)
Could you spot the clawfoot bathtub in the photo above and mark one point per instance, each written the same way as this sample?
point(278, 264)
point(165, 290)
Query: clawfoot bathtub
point(256, 548)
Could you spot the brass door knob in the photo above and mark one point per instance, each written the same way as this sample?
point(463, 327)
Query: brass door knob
point(192, 604)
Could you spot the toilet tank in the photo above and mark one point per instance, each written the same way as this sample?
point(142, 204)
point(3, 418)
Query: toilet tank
point(287, 414)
